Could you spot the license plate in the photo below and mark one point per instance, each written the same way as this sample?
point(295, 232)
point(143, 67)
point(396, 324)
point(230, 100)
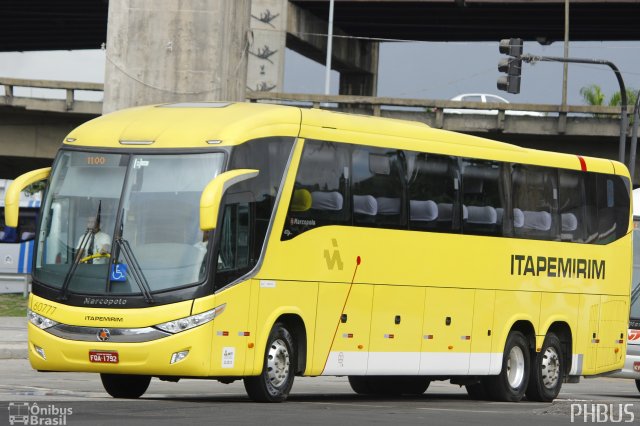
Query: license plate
point(107, 357)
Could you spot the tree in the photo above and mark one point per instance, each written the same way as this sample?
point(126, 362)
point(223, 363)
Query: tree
point(616, 99)
point(592, 95)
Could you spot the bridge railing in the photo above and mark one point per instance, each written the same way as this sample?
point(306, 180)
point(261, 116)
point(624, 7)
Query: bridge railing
point(69, 102)
point(368, 104)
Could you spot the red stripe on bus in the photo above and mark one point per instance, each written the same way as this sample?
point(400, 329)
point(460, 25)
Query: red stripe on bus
point(583, 164)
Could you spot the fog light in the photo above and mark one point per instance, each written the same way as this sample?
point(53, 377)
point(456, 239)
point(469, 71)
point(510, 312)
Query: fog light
point(40, 351)
point(179, 356)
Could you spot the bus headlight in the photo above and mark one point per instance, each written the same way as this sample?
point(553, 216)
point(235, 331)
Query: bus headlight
point(39, 321)
point(187, 323)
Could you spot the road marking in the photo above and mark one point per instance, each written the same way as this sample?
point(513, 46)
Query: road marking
point(458, 410)
point(350, 405)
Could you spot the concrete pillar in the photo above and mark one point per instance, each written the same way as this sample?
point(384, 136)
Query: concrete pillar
point(362, 82)
point(356, 60)
point(265, 69)
point(175, 50)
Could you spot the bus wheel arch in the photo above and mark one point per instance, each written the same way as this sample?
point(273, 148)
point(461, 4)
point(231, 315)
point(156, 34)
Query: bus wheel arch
point(284, 347)
point(512, 381)
point(296, 327)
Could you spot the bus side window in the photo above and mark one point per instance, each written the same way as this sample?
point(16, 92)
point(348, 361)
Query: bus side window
point(571, 205)
point(482, 197)
point(432, 190)
point(378, 188)
point(320, 194)
point(612, 203)
point(234, 245)
point(534, 192)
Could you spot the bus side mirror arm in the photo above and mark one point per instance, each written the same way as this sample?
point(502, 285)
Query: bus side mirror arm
point(212, 195)
point(12, 194)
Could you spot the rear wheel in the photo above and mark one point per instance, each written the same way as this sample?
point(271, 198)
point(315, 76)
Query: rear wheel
point(638, 385)
point(546, 371)
point(127, 386)
point(511, 383)
point(278, 370)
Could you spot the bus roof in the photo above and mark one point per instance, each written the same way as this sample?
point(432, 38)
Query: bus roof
point(207, 124)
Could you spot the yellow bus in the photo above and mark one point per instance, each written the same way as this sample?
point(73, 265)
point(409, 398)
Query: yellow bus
point(259, 242)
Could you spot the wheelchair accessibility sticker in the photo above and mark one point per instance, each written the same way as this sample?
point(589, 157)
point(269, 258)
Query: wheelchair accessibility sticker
point(119, 272)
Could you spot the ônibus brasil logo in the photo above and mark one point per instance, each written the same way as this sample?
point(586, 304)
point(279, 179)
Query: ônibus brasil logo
point(26, 413)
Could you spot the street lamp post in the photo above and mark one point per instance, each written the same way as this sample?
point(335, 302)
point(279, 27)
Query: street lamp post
point(623, 91)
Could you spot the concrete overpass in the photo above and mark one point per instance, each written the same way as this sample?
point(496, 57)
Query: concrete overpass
point(72, 24)
point(31, 129)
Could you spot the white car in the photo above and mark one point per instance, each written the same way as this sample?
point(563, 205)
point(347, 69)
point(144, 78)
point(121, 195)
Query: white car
point(484, 98)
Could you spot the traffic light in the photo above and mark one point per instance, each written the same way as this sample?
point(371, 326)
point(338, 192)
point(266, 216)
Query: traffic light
point(511, 65)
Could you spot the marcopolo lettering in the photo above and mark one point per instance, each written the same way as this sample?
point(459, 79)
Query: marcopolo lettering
point(557, 267)
point(103, 301)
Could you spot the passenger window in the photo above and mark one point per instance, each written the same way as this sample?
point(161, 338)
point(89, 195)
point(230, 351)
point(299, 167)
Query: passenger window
point(612, 206)
point(320, 196)
point(378, 186)
point(432, 190)
point(534, 192)
point(571, 205)
point(482, 199)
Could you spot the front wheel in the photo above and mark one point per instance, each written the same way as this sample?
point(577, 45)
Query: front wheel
point(126, 386)
point(546, 372)
point(278, 370)
point(637, 384)
point(511, 383)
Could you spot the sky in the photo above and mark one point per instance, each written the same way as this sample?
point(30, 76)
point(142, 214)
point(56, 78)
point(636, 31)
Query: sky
point(414, 70)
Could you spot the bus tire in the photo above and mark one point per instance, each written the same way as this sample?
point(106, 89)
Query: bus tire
point(511, 384)
point(278, 370)
point(389, 385)
point(128, 386)
point(637, 384)
point(360, 385)
point(547, 365)
point(477, 391)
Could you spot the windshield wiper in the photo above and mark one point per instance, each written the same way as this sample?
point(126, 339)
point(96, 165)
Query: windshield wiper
point(136, 270)
point(84, 242)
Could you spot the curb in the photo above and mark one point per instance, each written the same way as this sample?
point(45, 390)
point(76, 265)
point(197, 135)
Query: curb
point(13, 351)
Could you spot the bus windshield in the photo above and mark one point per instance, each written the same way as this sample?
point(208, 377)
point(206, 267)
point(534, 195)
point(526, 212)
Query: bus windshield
point(97, 201)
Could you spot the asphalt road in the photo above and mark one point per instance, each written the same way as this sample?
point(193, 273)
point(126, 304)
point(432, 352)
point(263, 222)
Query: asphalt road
point(78, 399)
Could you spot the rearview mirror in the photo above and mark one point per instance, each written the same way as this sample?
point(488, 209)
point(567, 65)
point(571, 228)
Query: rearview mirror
point(213, 192)
point(12, 194)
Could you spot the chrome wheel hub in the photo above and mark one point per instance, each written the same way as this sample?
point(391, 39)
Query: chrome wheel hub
point(515, 367)
point(278, 363)
point(550, 368)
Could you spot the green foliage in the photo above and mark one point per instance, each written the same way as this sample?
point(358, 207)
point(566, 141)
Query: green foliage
point(13, 305)
point(592, 95)
point(616, 98)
